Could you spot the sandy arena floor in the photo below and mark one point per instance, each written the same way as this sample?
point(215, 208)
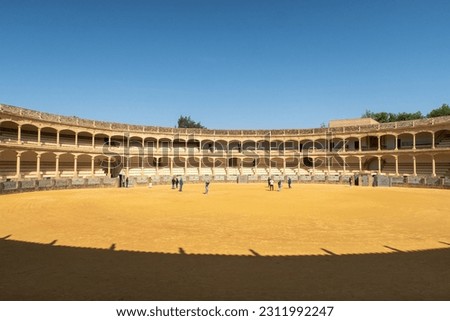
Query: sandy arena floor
point(233, 220)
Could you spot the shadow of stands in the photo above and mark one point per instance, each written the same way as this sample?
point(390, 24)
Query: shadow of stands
point(30, 271)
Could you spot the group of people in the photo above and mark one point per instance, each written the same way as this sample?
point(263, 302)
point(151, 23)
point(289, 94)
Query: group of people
point(271, 183)
point(177, 182)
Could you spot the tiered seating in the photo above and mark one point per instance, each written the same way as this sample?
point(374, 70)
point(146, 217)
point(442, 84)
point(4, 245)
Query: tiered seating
point(247, 171)
point(443, 169)
point(289, 171)
point(8, 136)
point(219, 171)
point(206, 171)
point(261, 171)
point(275, 171)
point(302, 171)
point(66, 141)
point(193, 171)
point(179, 171)
point(165, 171)
point(233, 171)
point(151, 171)
point(135, 171)
point(444, 142)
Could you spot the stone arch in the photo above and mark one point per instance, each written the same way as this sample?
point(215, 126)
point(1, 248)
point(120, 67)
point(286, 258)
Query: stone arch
point(9, 131)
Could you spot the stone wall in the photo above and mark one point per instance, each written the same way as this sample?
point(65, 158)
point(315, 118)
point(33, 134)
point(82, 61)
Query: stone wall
point(8, 187)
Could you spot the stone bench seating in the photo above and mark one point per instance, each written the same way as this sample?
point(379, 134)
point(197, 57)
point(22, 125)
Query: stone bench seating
point(206, 171)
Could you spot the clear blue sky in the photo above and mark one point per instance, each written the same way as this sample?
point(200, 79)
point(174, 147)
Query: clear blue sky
point(231, 64)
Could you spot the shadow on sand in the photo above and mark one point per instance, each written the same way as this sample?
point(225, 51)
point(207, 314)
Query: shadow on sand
point(30, 271)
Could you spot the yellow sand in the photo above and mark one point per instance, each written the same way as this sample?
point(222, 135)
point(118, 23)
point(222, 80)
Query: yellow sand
point(233, 219)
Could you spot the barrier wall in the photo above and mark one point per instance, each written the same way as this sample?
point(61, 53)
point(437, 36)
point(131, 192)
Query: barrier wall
point(8, 187)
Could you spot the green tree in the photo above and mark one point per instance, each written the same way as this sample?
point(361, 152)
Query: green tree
point(444, 110)
point(384, 117)
point(187, 122)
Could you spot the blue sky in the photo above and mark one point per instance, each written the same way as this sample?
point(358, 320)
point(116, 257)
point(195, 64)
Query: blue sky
point(230, 64)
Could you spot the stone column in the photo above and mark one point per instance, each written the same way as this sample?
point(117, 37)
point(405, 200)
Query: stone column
point(75, 166)
point(433, 164)
point(414, 141)
point(57, 138)
point(433, 141)
point(57, 166)
point(39, 136)
point(38, 166)
point(92, 165)
point(379, 164)
point(18, 166)
point(414, 166)
point(360, 162)
point(396, 165)
point(76, 139)
point(19, 134)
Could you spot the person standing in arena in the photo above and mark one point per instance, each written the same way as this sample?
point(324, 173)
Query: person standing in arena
point(206, 187)
point(181, 184)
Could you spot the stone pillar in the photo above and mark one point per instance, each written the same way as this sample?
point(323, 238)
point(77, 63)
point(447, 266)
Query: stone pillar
point(433, 141)
point(379, 143)
point(360, 162)
point(57, 138)
point(38, 166)
point(57, 166)
point(396, 165)
point(39, 136)
point(76, 139)
point(379, 164)
point(414, 166)
point(93, 140)
point(18, 166)
point(344, 164)
point(433, 164)
point(75, 166)
point(171, 165)
point(414, 141)
point(92, 165)
point(19, 134)
point(360, 147)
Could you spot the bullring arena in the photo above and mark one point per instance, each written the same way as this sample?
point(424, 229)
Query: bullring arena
point(78, 236)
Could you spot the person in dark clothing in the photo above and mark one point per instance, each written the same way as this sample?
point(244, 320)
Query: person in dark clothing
point(181, 184)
